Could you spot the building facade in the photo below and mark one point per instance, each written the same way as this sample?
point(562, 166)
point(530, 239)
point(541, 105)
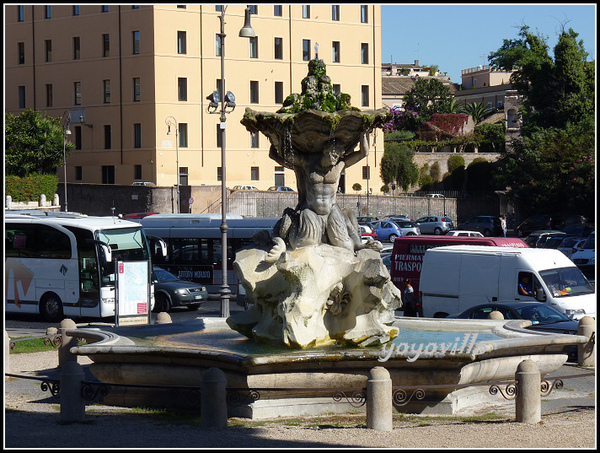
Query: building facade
point(135, 80)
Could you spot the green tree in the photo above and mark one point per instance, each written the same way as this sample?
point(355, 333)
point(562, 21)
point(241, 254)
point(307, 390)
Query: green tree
point(491, 137)
point(33, 143)
point(426, 97)
point(397, 165)
point(477, 110)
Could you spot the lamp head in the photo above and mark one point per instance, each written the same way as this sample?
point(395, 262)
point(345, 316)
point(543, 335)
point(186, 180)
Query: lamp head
point(214, 99)
point(247, 31)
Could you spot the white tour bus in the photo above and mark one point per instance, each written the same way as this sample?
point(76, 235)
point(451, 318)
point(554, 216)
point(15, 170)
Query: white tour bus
point(194, 244)
point(63, 265)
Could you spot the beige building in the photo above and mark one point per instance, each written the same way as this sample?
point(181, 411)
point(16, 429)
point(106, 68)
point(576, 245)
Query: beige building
point(123, 72)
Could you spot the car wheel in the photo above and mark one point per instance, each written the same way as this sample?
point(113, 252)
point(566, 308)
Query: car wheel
point(487, 232)
point(520, 233)
point(51, 308)
point(437, 231)
point(410, 234)
point(392, 237)
point(161, 303)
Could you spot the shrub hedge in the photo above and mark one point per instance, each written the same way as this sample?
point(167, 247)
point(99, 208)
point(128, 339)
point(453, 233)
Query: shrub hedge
point(30, 188)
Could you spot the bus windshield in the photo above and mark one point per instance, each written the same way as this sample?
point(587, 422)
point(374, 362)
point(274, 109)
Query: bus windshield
point(127, 244)
point(566, 281)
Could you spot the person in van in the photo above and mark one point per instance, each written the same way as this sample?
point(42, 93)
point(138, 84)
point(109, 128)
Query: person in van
point(408, 299)
point(525, 285)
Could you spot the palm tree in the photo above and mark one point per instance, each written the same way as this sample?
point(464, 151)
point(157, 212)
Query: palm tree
point(477, 110)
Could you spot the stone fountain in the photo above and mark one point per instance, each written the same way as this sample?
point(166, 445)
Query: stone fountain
point(322, 304)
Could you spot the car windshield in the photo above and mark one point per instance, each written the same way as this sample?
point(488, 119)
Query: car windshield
point(161, 275)
point(541, 314)
point(590, 243)
point(566, 281)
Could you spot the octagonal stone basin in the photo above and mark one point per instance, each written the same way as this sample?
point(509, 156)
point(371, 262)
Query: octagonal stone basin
point(178, 354)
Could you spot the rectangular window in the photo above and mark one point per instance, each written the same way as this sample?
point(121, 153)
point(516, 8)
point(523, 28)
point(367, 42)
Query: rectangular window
point(184, 176)
point(78, 173)
point(182, 89)
point(217, 45)
point(104, 8)
point(305, 11)
point(76, 93)
point(181, 42)
point(364, 53)
point(48, 12)
point(219, 89)
point(278, 92)
point(137, 135)
point(21, 13)
point(335, 51)
point(253, 92)
point(48, 48)
point(107, 136)
point(135, 42)
point(77, 137)
point(335, 12)
point(183, 135)
point(253, 139)
point(137, 89)
point(219, 136)
point(21, 51)
point(75, 10)
point(254, 174)
point(337, 88)
point(254, 47)
point(108, 174)
point(366, 172)
point(253, 9)
point(106, 89)
point(279, 48)
point(76, 48)
point(137, 172)
point(219, 173)
point(364, 95)
point(105, 45)
point(364, 14)
point(277, 10)
point(49, 97)
point(306, 49)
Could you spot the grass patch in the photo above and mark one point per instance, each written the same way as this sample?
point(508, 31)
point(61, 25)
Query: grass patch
point(31, 345)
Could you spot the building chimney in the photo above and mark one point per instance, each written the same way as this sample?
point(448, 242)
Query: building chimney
point(417, 63)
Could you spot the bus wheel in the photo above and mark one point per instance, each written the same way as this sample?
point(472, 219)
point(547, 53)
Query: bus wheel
point(51, 308)
point(161, 303)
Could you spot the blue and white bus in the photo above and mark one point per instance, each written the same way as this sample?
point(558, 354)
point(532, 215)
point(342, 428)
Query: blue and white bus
point(194, 244)
point(64, 266)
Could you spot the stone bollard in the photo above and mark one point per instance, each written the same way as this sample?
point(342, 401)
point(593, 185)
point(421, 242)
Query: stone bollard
point(55, 200)
point(72, 403)
point(585, 352)
point(6, 352)
point(66, 343)
point(379, 399)
point(213, 405)
point(163, 318)
point(528, 401)
point(8, 202)
point(42, 202)
point(495, 315)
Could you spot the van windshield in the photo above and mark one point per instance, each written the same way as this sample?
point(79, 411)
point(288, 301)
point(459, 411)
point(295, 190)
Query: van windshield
point(566, 281)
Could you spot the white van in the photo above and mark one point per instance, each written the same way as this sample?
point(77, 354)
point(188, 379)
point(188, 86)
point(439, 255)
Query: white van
point(454, 278)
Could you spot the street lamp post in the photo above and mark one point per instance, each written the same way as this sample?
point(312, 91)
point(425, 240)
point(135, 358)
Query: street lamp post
point(227, 101)
point(170, 121)
point(65, 121)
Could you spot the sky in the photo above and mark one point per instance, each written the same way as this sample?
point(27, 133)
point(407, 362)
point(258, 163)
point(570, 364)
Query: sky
point(461, 36)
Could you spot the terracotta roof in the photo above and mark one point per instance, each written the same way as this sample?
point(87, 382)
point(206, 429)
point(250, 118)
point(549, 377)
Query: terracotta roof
point(495, 118)
point(398, 86)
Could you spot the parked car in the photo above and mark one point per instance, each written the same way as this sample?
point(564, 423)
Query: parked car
point(245, 187)
point(138, 215)
point(143, 183)
point(366, 219)
point(573, 220)
point(543, 318)
point(467, 233)
point(386, 230)
point(580, 230)
point(570, 245)
point(435, 195)
point(366, 232)
point(280, 189)
point(396, 217)
point(538, 238)
point(537, 222)
point(485, 224)
point(433, 224)
point(170, 291)
point(387, 260)
point(585, 259)
point(408, 227)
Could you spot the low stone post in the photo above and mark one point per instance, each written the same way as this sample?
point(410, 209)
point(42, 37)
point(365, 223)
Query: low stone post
point(585, 352)
point(528, 401)
point(163, 318)
point(379, 399)
point(213, 404)
point(72, 403)
point(495, 314)
point(66, 343)
point(42, 200)
point(8, 202)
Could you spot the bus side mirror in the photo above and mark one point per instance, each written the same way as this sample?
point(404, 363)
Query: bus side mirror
point(160, 246)
point(107, 252)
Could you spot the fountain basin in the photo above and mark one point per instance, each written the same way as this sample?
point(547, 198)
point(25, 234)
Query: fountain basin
point(178, 354)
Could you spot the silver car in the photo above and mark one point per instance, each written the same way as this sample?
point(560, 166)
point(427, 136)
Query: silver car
point(435, 224)
point(408, 227)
